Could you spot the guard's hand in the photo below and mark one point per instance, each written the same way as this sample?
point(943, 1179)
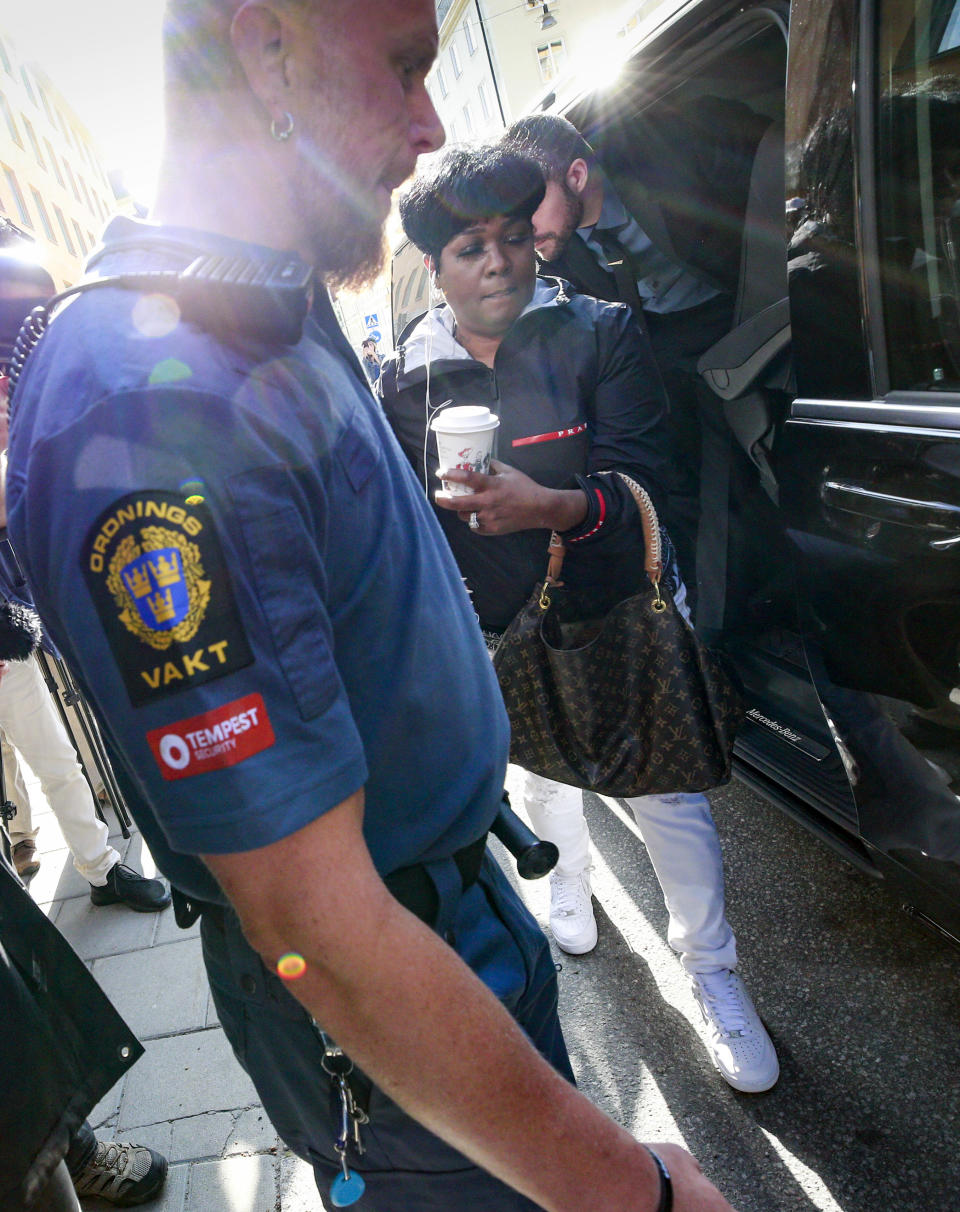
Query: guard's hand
point(506, 500)
point(691, 1191)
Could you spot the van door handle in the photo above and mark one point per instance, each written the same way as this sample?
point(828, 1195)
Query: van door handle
point(885, 507)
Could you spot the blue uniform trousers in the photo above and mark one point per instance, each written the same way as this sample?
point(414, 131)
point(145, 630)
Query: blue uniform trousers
point(404, 1165)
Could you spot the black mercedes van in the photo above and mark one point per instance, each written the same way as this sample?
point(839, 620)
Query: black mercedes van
point(829, 549)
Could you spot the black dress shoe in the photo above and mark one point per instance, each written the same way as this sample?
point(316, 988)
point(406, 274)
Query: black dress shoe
point(125, 886)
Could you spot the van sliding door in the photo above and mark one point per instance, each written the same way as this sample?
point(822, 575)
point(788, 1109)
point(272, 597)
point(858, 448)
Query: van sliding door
point(870, 465)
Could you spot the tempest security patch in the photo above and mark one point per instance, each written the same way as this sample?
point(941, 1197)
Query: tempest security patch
point(160, 586)
point(218, 738)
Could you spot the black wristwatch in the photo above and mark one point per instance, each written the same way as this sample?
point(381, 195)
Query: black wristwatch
point(666, 1186)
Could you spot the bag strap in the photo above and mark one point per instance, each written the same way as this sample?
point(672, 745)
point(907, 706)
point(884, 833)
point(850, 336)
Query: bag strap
point(653, 551)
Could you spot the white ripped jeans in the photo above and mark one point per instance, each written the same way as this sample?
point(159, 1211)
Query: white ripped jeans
point(30, 722)
point(681, 839)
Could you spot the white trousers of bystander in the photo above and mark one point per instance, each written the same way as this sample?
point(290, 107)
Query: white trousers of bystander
point(29, 721)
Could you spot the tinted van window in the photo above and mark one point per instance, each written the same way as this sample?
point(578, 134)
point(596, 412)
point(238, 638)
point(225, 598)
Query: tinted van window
point(918, 179)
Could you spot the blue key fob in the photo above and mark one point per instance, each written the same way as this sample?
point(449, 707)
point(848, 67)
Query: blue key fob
point(345, 1191)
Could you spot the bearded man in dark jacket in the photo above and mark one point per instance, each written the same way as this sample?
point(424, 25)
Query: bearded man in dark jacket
point(653, 218)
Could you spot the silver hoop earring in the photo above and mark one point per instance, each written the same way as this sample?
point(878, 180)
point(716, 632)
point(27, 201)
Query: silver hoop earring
point(282, 134)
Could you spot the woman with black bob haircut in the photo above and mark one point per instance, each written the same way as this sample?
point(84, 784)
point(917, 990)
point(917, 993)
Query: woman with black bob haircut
point(578, 394)
point(469, 184)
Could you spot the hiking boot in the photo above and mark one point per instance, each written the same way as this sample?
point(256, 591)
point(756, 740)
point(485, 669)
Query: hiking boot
point(736, 1038)
point(122, 1173)
point(571, 913)
point(25, 859)
point(125, 886)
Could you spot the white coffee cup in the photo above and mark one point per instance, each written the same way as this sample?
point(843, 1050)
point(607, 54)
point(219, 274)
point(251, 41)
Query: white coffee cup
point(464, 441)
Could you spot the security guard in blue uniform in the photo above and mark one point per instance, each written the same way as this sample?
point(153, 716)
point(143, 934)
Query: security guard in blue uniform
point(238, 562)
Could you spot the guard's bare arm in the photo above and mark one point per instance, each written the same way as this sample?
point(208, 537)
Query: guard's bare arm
point(413, 1016)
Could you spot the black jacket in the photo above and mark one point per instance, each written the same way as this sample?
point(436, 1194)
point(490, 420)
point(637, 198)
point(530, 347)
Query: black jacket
point(577, 377)
point(684, 176)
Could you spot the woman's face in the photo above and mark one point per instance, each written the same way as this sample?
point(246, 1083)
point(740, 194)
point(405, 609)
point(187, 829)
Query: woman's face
point(488, 272)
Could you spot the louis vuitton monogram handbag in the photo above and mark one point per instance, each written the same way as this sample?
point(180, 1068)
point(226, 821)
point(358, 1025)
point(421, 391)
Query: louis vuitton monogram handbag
point(626, 704)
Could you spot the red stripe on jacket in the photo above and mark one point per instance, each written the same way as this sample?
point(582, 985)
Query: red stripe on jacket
point(549, 437)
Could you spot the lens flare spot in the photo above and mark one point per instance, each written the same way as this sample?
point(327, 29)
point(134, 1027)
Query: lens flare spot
point(155, 315)
point(291, 967)
point(170, 370)
point(193, 491)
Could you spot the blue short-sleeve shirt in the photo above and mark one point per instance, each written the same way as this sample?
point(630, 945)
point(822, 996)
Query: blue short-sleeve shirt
point(235, 558)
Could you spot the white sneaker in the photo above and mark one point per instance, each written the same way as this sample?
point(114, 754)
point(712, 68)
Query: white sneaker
point(571, 913)
point(737, 1039)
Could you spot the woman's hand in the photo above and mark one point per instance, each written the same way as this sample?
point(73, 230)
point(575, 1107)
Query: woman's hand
point(506, 500)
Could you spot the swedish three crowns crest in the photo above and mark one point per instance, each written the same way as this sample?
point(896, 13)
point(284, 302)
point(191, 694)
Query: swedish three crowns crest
point(159, 581)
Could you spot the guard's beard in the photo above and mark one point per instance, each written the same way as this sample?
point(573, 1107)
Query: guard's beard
point(349, 245)
point(359, 260)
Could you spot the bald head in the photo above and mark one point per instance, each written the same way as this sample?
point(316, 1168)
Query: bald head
point(197, 51)
point(290, 122)
point(200, 58)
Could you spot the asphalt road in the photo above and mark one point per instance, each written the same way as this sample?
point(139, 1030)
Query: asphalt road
point(861, 1002)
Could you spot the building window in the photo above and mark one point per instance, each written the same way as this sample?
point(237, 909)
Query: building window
point(66, 231)
point(484, 102)
point(65, 127)
point(83, 186)
point(468, 118)
point(53, 160)
point(5, 59)
point(455, 60)
point(406, 294)
point(552, 57)
point(80, 239)
point(18, 197)
point(950, 38)
point(452, 132)
point(11, 124)
point(73, 180)
point(90, 240)
point(34, 142)
point(469, 38)
point(44, 217)
point(46, 106)
point(442, 82)
point(24, 76)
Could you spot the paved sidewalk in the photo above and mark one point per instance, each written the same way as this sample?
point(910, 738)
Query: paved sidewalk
point(187, 1096)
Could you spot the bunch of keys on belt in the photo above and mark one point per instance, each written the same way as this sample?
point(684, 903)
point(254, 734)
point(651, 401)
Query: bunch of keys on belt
point(348, 1186)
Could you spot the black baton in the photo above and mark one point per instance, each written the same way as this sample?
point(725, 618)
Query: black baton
point(535, 858)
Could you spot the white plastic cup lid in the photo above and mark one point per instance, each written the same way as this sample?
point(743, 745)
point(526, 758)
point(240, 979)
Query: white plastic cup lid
point(466, 418)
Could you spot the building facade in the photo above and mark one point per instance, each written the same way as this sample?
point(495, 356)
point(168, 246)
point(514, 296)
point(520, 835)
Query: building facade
point(53, 186)
point(500, 60)
point(463, 83)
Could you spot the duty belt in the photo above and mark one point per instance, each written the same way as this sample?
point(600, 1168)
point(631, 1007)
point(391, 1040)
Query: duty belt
point(411, 886)
point(416, 891)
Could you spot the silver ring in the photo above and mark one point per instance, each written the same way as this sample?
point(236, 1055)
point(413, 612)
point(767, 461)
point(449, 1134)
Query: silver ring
point(474, 522)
